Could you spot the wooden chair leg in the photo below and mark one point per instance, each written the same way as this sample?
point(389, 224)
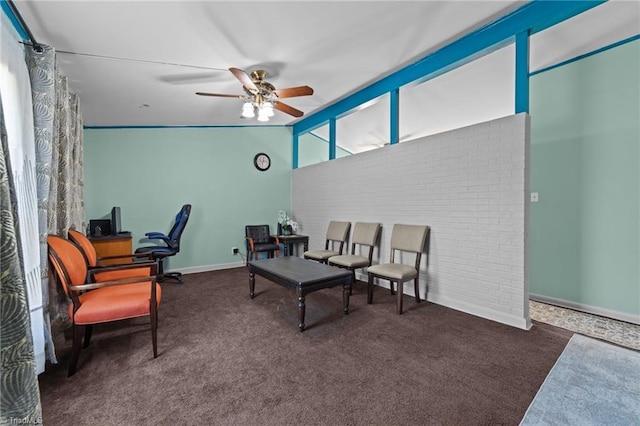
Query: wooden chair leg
point(416, 289)
point(88, 329)
point(78, 331)
point(353, 281)
point(399, 298)
point(370, 290)
point(154, 330)
point(391, 288)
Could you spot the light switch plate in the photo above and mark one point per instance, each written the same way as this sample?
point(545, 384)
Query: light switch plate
point(534, 197)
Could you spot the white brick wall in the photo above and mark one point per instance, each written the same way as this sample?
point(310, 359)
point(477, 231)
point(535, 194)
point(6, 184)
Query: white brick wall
point(468, 184)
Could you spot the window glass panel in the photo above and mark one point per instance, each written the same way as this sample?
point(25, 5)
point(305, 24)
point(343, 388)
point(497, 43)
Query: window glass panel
point(479, 91)
point(366, 128)
point(313, 147)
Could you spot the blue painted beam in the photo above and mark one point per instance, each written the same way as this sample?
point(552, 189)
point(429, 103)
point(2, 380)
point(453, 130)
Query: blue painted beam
point(534, 16)
point(332, 139)
point(14, 20)
point(296, 150)
point(522, 72)
point(394, 110)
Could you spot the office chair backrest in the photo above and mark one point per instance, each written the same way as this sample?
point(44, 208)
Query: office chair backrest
point(178, 227)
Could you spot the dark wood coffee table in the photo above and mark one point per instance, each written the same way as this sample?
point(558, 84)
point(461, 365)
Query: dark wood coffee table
point(303, 276)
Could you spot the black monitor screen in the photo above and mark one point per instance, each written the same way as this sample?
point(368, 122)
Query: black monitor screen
point(116, 224)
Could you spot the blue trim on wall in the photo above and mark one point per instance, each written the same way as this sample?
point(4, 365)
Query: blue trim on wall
point(16, 24)
point(586, 55)
point(182, 127)
point(522, 72)
point(534, 16)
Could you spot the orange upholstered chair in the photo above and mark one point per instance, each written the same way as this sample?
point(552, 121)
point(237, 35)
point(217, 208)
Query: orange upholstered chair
point(130, 292)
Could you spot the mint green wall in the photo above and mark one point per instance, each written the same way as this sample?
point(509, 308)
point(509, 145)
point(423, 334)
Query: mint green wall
point(585, 156)
point(151, 173)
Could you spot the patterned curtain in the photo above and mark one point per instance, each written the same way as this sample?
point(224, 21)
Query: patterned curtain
point(66, 204)
point(20, 396)
point(42, 76)
point(60, 177)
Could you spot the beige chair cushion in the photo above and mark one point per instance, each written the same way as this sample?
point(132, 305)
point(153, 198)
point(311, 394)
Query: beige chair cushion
point(319, 254)
point(394, 271)
point(349, 261)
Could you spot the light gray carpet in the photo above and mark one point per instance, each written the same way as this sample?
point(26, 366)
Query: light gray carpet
point(592, 383)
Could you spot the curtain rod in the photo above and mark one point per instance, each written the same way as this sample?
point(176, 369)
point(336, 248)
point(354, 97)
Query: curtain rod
point(14, 10)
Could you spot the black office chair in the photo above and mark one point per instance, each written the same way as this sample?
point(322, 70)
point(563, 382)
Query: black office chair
point(172, 242)
point(258, 239)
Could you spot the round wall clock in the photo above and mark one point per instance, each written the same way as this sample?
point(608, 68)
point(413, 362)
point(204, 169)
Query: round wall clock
point(262, 161)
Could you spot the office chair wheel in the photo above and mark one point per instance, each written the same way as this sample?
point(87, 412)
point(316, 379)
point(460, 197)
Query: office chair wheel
point(172, 275)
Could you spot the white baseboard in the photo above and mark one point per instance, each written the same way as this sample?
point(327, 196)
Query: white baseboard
point(208, 268)
point(621, 316)
point(523, 323)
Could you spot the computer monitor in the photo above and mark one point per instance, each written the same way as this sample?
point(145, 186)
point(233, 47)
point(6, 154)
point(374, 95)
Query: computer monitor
point(99, 227)
point(116, 223)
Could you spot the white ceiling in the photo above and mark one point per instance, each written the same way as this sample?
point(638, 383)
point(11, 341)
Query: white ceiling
point(122, 55)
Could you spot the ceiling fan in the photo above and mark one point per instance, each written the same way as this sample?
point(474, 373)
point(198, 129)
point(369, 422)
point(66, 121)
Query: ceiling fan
point(262, 97)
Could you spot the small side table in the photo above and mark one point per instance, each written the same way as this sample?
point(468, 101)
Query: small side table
point(290, 240)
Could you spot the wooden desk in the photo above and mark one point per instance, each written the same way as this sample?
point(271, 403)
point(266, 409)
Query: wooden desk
point(112, 245)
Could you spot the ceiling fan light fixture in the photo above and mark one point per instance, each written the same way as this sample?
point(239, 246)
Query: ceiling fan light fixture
point(247, 110)
point(261, 97)
point(263, 115)
point(267, 107)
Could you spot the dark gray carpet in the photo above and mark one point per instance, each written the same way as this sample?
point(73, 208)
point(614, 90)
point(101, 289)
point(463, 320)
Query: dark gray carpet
point(227, 360)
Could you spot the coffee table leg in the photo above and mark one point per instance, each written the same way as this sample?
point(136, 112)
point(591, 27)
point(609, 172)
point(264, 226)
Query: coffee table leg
point(345, 297)
point(301, 312)
point(252, 284)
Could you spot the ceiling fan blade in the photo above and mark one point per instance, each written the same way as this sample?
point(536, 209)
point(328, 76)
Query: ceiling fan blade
point(244, 79)
point(291, 92)
point(221, 95)
point(288, 109)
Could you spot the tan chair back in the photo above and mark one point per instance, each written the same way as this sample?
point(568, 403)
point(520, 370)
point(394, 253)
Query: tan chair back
point(365, 233)
point(409, 238)
point(338, 231)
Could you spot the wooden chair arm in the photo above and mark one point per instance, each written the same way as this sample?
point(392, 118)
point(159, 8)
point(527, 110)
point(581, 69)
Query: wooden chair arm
point(152, 266)
point(123, 281)
point(124, 256)
point(250, 241)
